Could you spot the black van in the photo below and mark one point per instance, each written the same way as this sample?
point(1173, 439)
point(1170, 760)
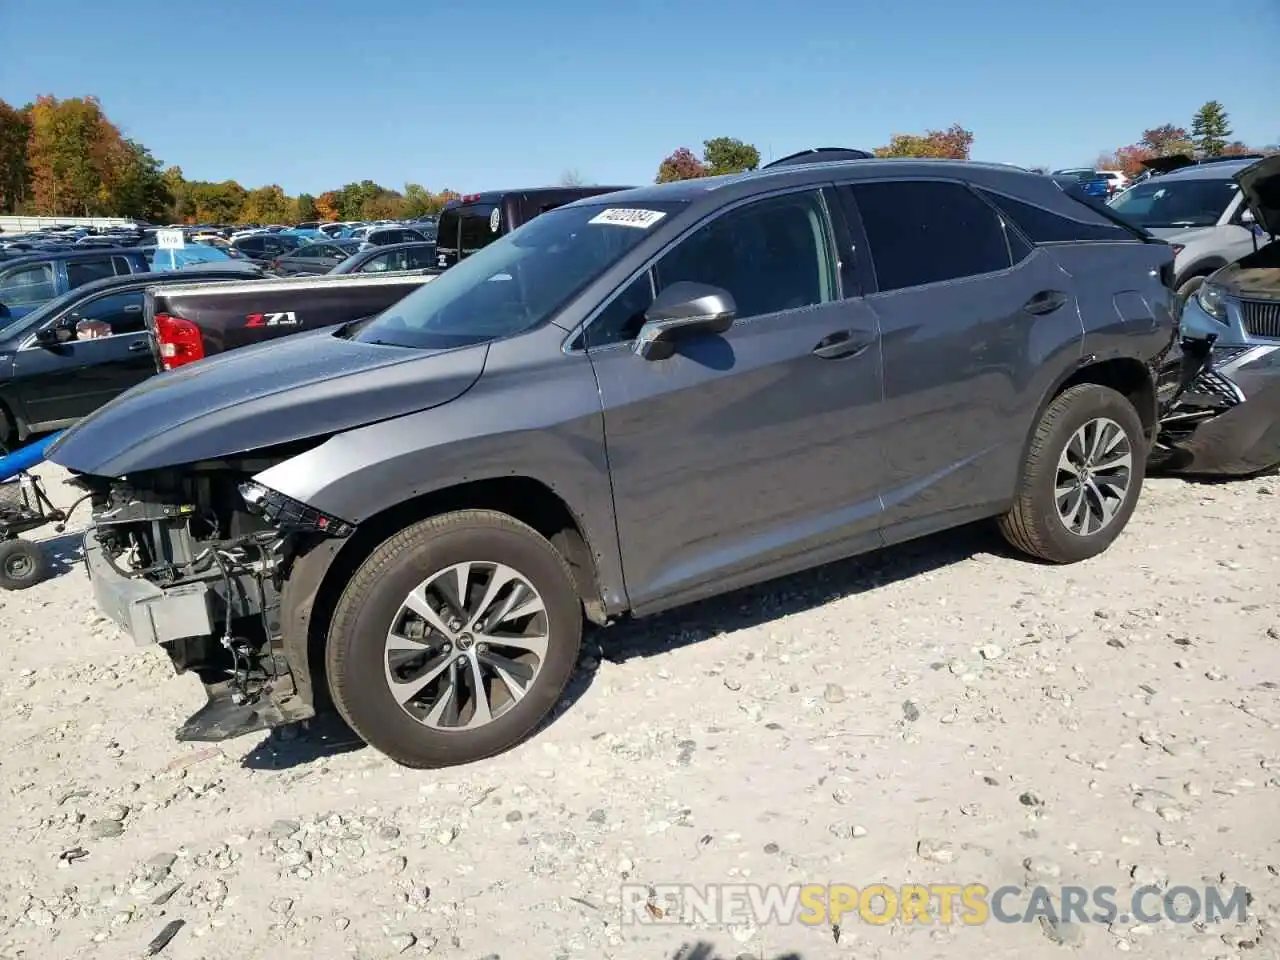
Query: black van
point(480, 218)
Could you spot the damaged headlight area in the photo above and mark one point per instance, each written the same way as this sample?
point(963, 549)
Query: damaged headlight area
point(288, 514)
point(195, 558)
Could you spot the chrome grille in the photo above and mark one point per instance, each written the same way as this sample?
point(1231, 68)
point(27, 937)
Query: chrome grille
point(1261, 317)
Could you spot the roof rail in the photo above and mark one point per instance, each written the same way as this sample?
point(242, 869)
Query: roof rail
point(820, 155)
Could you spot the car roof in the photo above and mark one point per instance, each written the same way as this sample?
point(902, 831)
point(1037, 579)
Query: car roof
point(83, 252)
point(735, 185)
point(399, 246)
point(1219, 170)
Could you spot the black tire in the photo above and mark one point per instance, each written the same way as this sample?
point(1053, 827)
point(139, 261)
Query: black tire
point(355, 653)
point(22, 564)
point(1034, 525)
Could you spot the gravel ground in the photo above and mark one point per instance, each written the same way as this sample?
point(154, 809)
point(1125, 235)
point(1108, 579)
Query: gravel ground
point(941, 712)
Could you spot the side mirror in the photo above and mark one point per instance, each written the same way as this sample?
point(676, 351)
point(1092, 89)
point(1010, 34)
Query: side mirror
point(682, 309)
point(61, 331)
point(1246, 216)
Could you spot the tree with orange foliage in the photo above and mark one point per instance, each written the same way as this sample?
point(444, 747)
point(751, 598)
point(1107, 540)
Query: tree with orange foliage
point(74, 154)
point(327, 206)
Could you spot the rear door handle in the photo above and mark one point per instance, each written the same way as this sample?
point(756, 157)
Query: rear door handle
point(138, 346)
point(1046, 301)
point(843, 343)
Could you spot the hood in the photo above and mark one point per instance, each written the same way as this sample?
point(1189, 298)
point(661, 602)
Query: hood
point(1260, 184)
point(1167, 164)
point(296, 388)
point(1254, 277)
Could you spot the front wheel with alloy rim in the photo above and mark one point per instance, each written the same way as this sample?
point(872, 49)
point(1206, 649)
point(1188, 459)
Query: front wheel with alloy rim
point(1082, 477)
point(454, 639)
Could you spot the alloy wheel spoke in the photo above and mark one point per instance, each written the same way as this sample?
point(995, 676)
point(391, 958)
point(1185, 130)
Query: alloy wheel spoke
point(417, 603)
point(501, 576)
point(408, 689)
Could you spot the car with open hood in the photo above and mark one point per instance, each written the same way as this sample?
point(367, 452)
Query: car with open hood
point(631, 402)
point(1228, 422)
point(1200, 209)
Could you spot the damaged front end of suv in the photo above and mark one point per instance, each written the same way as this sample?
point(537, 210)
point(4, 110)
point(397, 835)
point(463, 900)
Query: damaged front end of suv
point(196, 559)
point(1225, 418)
point(189, 549)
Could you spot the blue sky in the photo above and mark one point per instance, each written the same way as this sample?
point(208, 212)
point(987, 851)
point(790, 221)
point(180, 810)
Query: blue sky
point(485, 94)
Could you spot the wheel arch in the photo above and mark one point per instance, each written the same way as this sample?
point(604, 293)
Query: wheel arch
point(1128, 376)
point(1198, 268)
point(315, 582)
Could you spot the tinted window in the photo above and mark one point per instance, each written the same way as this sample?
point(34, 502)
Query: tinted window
point(384, 262)
point(924, 231)
point(1044, 226)
point(314, 251)
point(250, 245)
point(771, 255)
point(121, 312)
point(1162, 202)
point(421, 257)
point(476, 228)
point(83, 271)
point(27, 285)
point(122, 266)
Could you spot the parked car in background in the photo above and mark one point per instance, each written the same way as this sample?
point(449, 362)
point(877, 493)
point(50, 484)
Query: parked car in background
point(631, 403)
point(383, 236)
point(28, 281)
point(262, 248)
point(392, 258)
point(75, 352)
point(196, 253)
point(314, 258)
point(1229, 421)
point(1116, 180)
point(481, 218)
point(193, 323)
point(1200, 210)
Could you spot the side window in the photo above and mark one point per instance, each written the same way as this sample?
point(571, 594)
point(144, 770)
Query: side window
point(622, 319)
point(421, 257)
point(250, 245)
point(378, 264)
point(771, 255)
point(83, 271)
point(1043, 226)
point(27, 285)
point(925, 231)
point(118, 312)
point(122, 266)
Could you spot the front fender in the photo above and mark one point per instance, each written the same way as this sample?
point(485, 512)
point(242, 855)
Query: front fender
point(538, 420)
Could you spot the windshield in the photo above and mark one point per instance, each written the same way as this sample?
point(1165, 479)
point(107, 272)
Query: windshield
point(1176, 203)
point(520, 280)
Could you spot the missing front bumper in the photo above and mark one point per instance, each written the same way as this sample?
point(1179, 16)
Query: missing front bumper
point(1240, 432)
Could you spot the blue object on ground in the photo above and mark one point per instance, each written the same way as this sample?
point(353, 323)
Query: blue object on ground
point(26, 457)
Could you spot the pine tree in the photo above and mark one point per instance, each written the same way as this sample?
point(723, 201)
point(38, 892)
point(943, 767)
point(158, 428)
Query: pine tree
point(1210, 129)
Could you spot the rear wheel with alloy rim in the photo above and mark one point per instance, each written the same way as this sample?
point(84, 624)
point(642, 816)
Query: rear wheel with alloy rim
point(454, 639)
point(1082, 476)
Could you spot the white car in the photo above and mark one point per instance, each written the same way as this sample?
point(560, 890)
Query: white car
point(1116, 178)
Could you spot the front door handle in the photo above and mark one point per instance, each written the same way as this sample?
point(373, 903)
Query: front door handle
point(1046, 301)
point(843, 343)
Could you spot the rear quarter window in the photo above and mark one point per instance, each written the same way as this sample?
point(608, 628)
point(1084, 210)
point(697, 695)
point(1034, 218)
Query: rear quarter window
point(1045, 226)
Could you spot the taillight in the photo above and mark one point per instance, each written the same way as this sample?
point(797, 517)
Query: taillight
point(179, 341)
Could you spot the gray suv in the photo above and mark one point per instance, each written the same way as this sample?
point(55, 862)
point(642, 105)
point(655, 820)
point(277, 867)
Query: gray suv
point(632, 402)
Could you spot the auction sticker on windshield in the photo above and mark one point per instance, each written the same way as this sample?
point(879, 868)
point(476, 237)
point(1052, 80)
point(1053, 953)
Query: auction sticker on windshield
point(644, 219)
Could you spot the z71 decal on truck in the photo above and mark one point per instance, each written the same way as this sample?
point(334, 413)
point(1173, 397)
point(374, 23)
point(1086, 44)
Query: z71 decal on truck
point(288, 319)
